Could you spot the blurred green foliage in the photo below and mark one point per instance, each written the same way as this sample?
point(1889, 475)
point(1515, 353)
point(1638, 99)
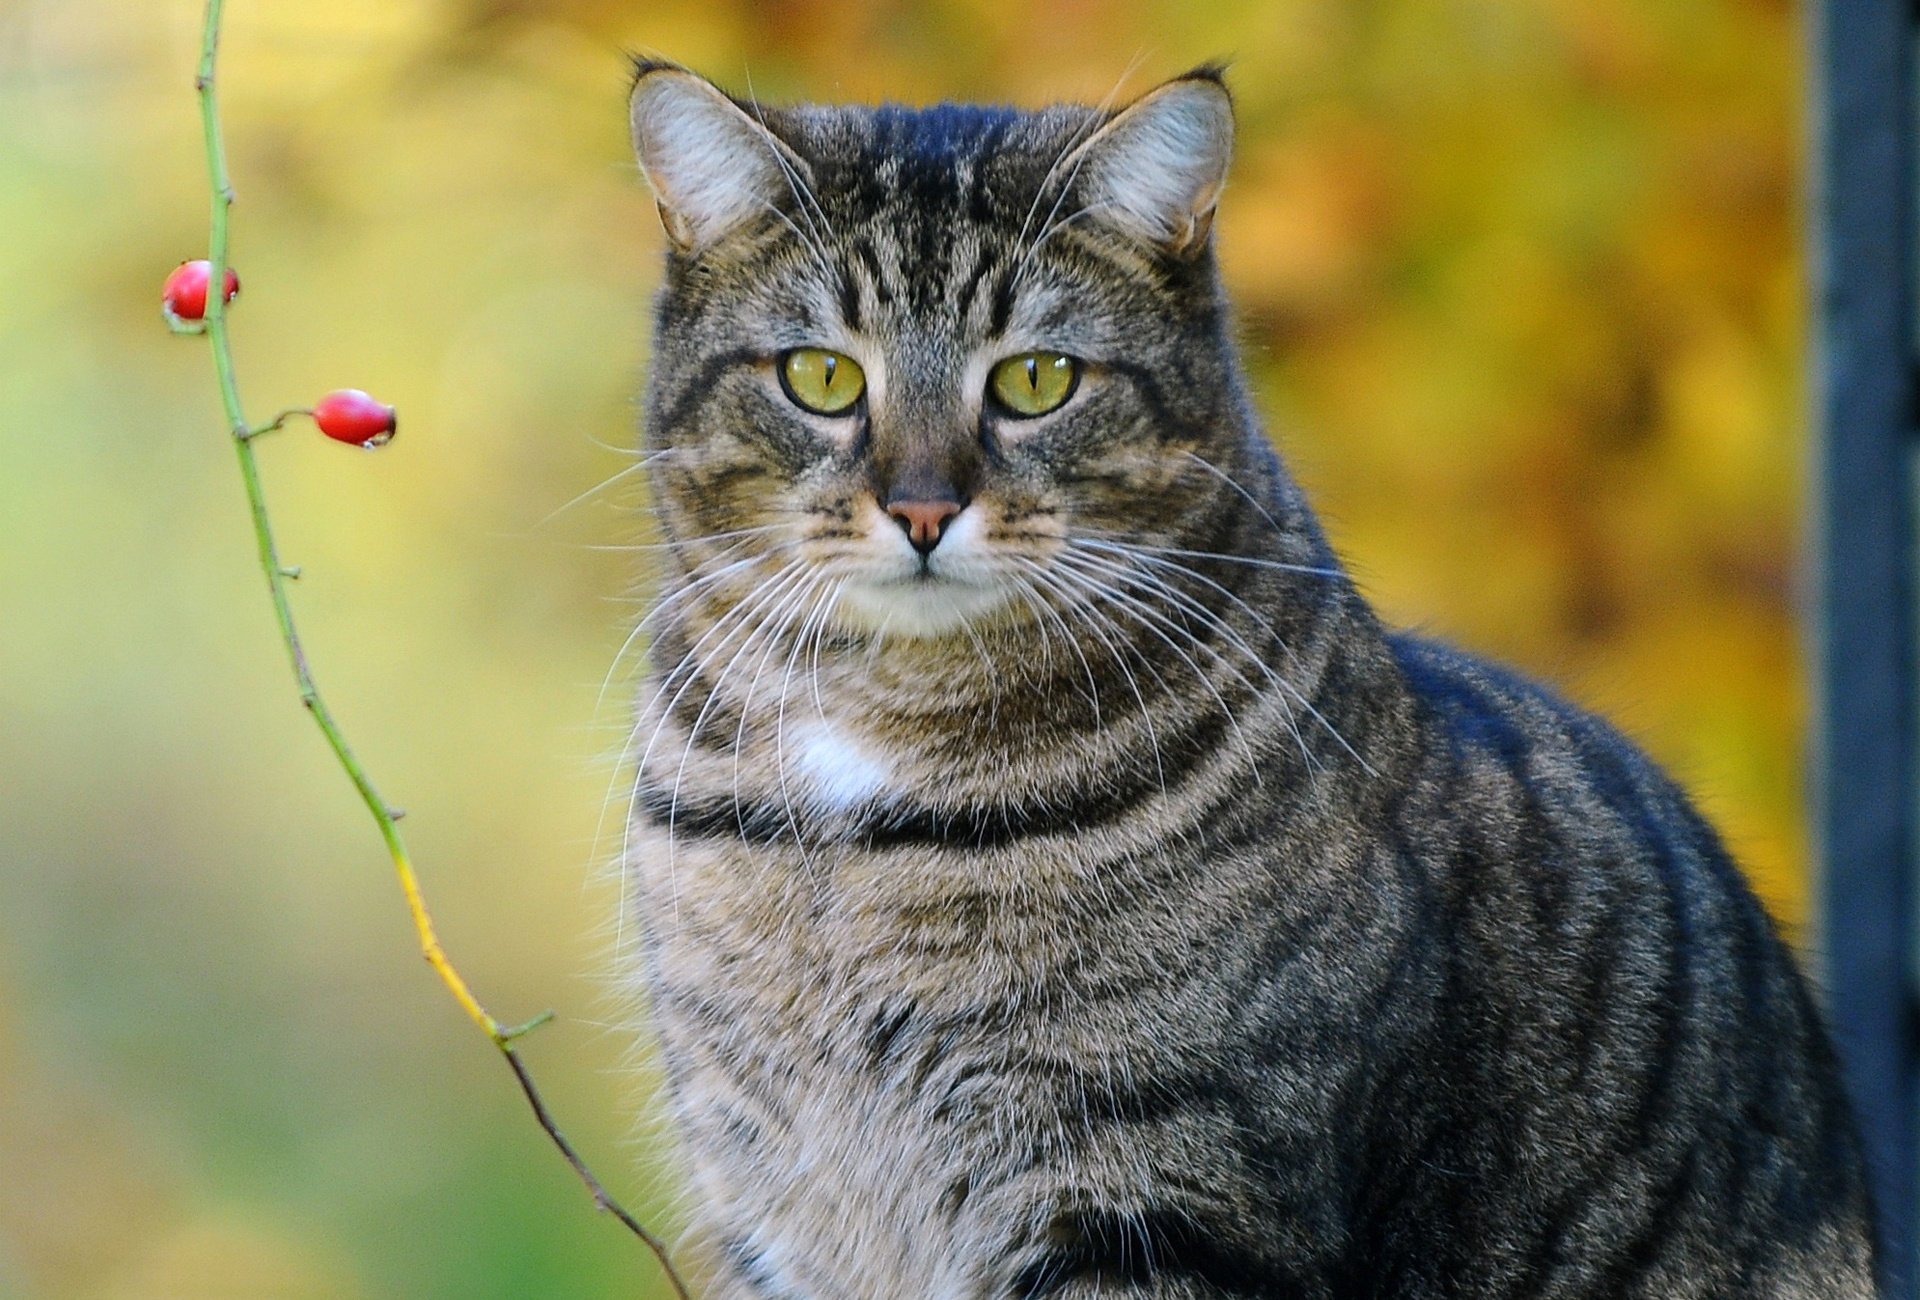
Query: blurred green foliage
point(1522, 294)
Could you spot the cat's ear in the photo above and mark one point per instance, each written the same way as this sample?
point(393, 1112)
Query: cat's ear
point(1156, 170)
point(711, 165)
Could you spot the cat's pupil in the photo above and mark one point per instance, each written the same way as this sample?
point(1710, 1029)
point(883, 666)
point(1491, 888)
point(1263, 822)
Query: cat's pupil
point(833, 364)
point(1033, 373)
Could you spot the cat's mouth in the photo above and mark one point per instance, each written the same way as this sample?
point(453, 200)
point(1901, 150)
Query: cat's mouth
point(921, 603)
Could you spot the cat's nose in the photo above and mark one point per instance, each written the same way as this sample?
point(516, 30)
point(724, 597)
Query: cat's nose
point(924, 521)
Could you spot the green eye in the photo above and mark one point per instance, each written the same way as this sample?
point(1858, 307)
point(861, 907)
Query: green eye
point(823, 382)
point(1034, 383)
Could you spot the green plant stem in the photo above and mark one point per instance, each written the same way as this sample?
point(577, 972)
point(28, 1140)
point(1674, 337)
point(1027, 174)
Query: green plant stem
point(385, 816)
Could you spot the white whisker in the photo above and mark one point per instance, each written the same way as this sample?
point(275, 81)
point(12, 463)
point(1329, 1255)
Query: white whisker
point(1277, 678)
point(1234, 483)
point(1154, 621)
point(1060, 586)
point(1225, 557)
point(643, 463)
point(1081, 134)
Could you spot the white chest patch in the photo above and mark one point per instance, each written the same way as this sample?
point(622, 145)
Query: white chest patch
point(839, 771)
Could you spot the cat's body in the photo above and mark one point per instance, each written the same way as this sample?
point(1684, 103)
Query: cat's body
point(1136, 917)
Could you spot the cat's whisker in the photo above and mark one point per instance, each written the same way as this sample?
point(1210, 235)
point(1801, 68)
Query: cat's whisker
point(626, 750)
point(803, 194)
point(1023, 592)
point(749, 618)
point(637, 467)
point(1053, 229)
point(665, 605)
point(1188, 604)
point(681, 544)
point(1259, 508)
point(780, 717)
point(1237, 642)
point(1158, 562)
point(756, 624)
point(1062, 586)
point(777, 622)
point(1066, 634)
point(819, 642)
point(1153, 621)
point(1095, 119)
point(1184, 605)
point(992, 676)
point(1279, 679)
point(620, 766)
point(1108, 541)
point(691, 667)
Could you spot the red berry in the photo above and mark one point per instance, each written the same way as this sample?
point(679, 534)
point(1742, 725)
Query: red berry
point(185, 293)
point(349, 415)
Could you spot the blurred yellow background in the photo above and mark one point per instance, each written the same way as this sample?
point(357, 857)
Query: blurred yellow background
point(1521, 286)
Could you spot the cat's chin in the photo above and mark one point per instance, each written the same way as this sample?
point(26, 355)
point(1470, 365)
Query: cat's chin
point(919, 608)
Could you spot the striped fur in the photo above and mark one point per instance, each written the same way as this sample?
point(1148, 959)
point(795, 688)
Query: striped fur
point(1117, 909)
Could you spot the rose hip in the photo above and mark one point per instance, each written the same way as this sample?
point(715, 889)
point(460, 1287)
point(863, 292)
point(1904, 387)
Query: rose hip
point(351, 416)
point(185, 293)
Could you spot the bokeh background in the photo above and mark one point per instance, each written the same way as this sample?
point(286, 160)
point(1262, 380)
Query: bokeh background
point(1522, 292)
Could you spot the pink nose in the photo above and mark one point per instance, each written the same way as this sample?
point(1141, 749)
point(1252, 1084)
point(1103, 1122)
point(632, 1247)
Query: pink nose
point(923, 521)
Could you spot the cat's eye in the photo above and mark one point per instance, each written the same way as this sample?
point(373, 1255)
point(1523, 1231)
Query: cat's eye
point(1034, 383)
point(820, 381)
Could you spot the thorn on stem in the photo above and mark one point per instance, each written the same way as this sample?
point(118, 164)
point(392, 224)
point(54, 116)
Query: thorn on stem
point(509, 1033)
point(277, 422)
point(395, 814)
point(290, 571)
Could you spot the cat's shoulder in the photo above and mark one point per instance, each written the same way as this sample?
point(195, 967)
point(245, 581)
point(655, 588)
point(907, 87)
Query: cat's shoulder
point(1476, 706)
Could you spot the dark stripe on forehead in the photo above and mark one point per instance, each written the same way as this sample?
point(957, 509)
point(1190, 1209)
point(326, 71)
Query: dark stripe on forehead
point(882, 291)
point(1002, 303)
point(934, 160)
point(970, 292)
point(849, 300)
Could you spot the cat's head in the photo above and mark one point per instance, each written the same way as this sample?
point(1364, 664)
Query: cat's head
point(914, 369)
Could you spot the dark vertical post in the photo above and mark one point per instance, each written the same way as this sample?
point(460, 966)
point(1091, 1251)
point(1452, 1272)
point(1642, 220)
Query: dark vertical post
point(1864, 114)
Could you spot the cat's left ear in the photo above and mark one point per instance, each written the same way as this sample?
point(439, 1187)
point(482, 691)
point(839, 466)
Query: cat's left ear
point(1156, 170)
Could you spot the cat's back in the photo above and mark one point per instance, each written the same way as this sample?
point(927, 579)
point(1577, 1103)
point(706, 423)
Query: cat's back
point(1666, 1089)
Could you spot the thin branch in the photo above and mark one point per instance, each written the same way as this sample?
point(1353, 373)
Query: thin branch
point(278, 575)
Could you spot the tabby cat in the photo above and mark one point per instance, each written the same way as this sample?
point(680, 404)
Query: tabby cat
point(1052, 878)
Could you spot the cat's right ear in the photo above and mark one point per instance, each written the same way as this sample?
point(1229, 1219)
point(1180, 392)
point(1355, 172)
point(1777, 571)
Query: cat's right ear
point(712, 167)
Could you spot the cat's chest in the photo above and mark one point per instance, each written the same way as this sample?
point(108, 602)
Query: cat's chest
point(837, 768)
point(854, 1039)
